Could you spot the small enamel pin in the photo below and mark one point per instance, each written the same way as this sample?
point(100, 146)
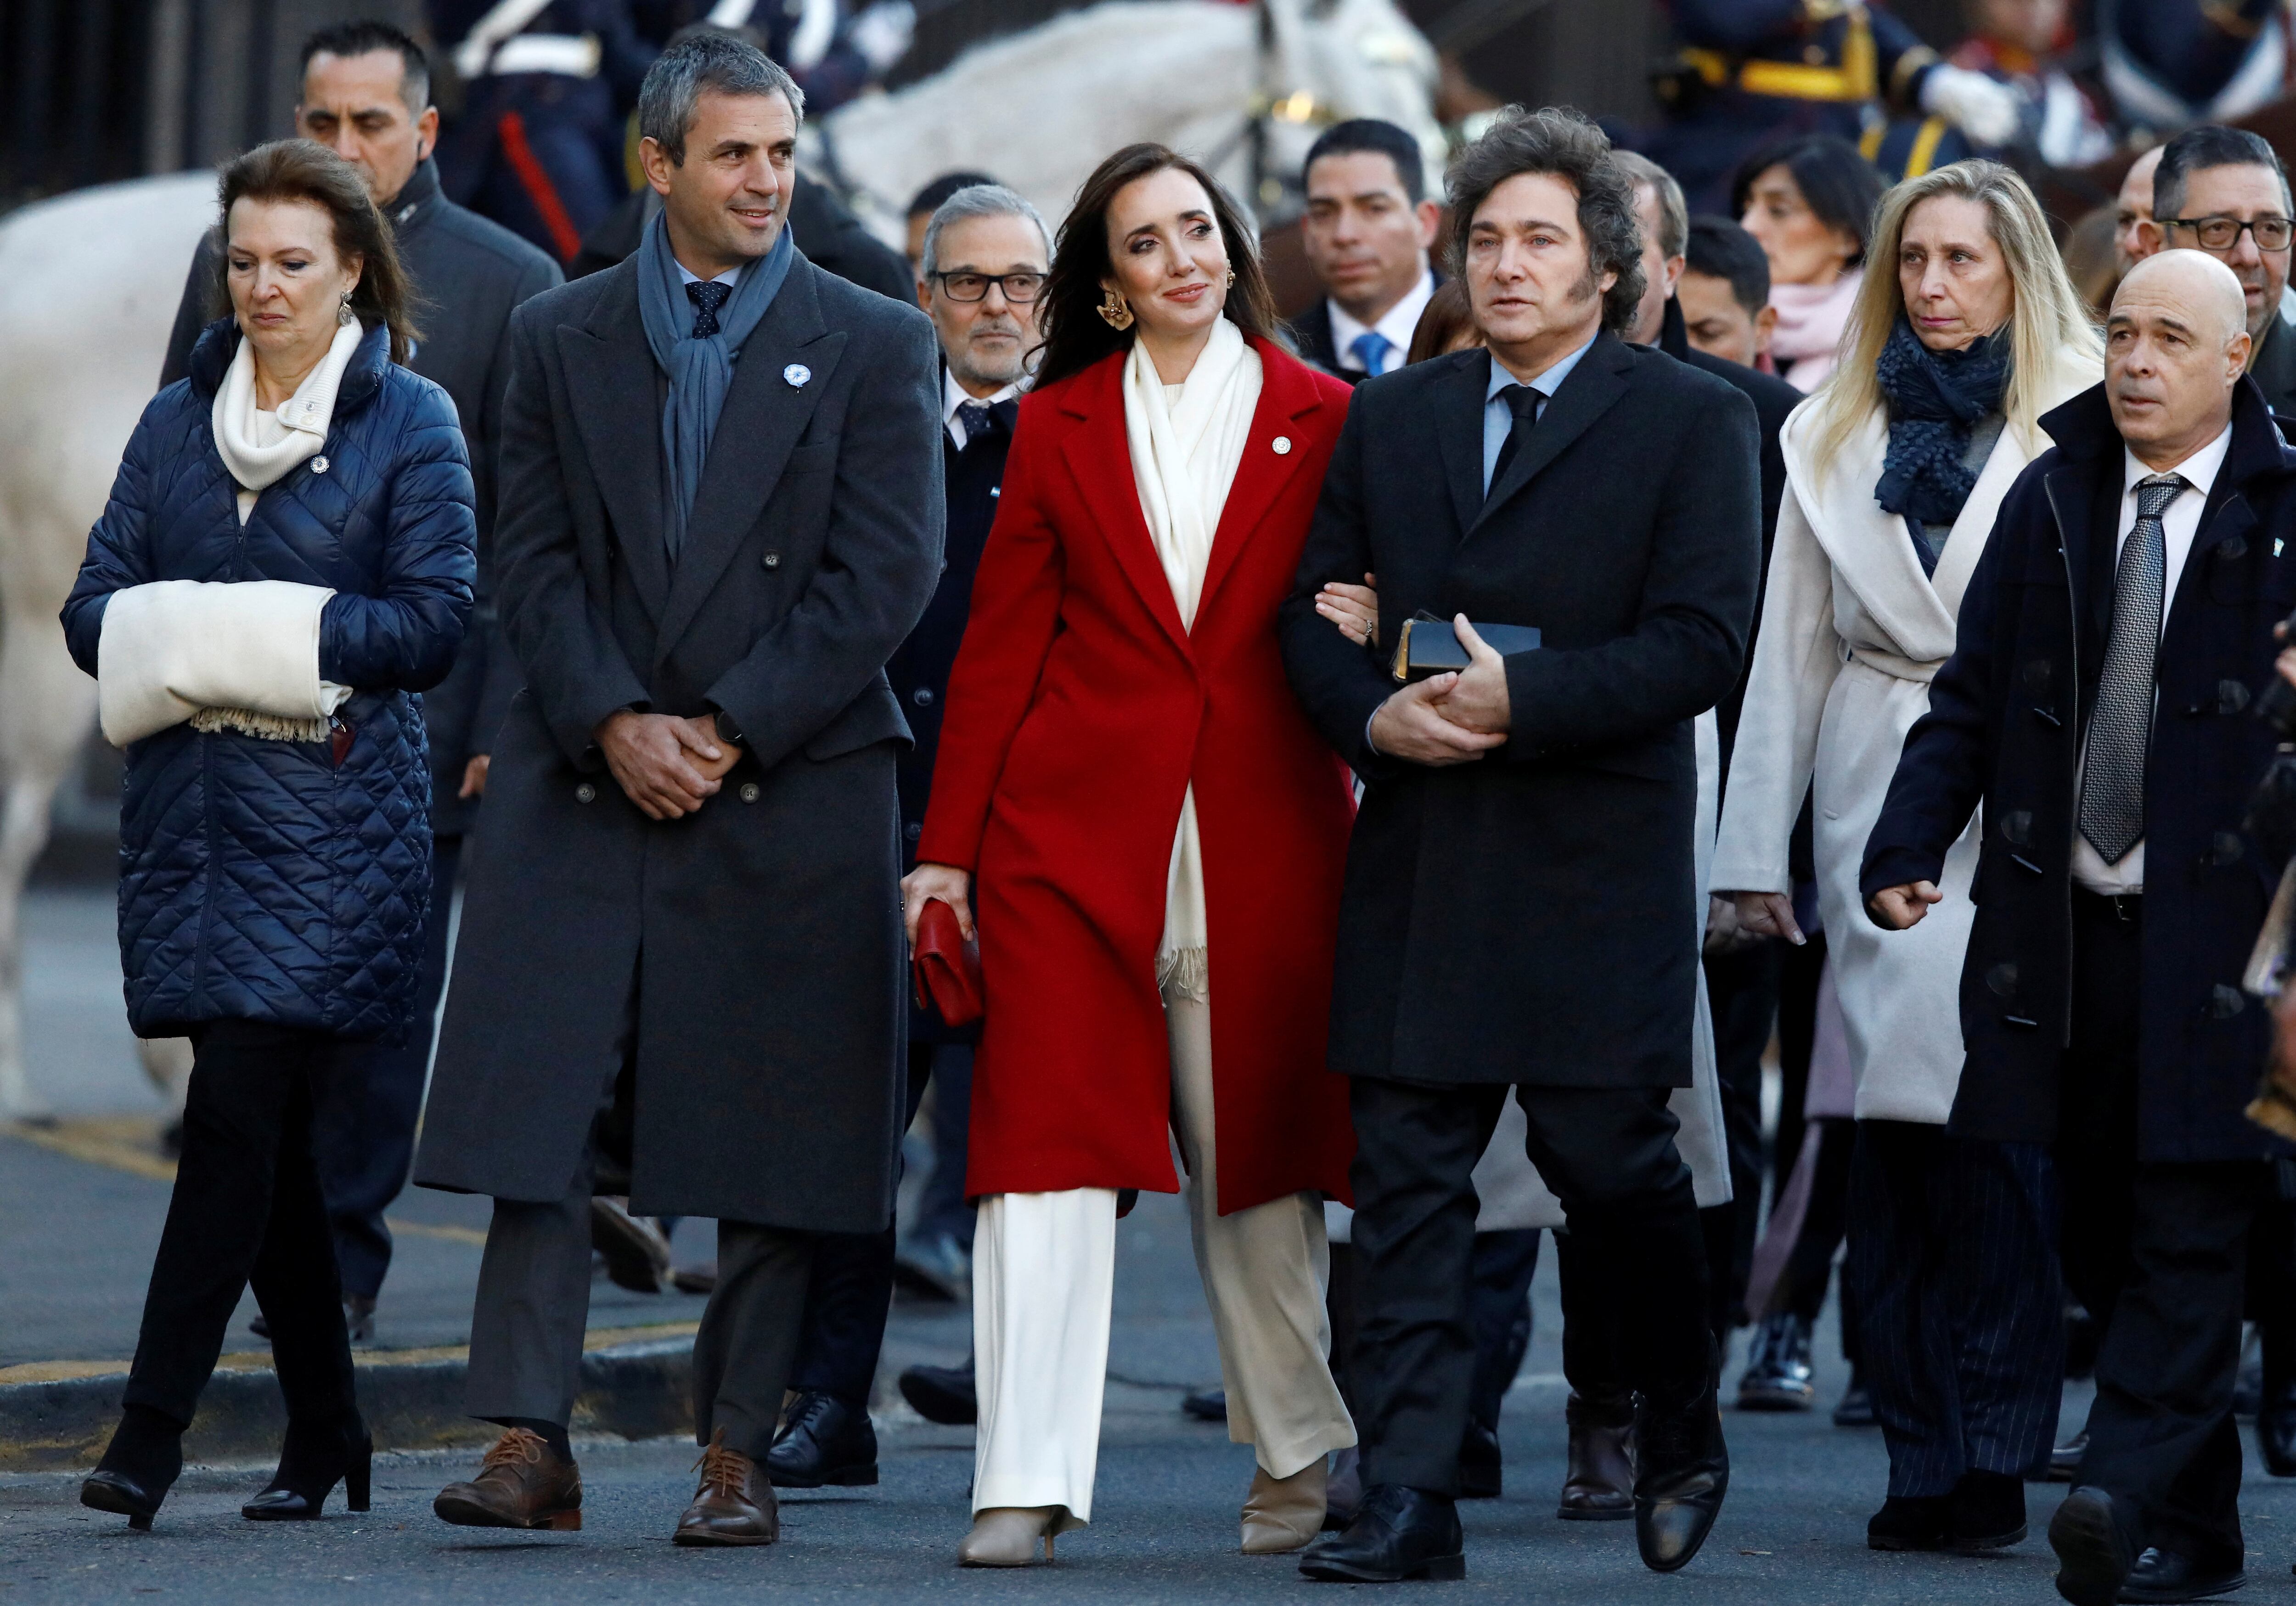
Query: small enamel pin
point(797, 374)
point(1283, 445)
point(319, 466)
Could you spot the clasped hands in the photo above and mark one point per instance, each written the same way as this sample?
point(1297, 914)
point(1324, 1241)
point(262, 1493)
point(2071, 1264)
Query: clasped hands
point(1450, 719)
point(667, 763)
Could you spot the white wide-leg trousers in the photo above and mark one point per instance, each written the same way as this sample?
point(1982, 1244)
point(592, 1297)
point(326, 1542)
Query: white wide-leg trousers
point(1044, 1269)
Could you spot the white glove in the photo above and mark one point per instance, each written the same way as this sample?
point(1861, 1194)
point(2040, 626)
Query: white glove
point(1987, 112)
point(883, 33)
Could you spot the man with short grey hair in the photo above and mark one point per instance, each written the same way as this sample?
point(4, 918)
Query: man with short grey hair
point(681, 957)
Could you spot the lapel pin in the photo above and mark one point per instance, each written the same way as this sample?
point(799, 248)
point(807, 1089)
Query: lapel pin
point(797, 374)
point(1283, 445)
point(319, 466)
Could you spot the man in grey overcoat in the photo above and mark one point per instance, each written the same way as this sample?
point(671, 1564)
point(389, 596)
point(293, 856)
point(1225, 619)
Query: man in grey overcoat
point(720, 513)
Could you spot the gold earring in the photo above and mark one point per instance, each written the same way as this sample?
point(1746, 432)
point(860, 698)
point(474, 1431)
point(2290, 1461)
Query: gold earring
point(1231, 279)
point(1114, 312)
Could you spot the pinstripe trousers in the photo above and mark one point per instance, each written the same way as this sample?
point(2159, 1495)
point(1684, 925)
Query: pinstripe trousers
point(1962, 1305)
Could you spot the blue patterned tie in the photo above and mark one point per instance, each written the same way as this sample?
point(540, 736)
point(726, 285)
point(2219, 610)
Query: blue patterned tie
point(708, 296)
point(1371, 348)
point(2120, 728)
point(977, 420)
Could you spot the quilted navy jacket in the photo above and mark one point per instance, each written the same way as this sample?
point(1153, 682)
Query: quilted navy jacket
point(273, 880)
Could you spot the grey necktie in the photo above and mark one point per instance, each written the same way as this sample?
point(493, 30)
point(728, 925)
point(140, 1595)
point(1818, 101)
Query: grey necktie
point(2120, 729)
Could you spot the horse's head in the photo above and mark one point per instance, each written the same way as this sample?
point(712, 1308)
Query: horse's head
point(1325, 62)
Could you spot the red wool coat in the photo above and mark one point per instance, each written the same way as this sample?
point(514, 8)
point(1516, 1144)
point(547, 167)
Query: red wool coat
point(1078, 712)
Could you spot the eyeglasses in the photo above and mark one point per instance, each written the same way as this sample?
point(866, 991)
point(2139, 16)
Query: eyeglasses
point(2223, 233)
point(1019, 288)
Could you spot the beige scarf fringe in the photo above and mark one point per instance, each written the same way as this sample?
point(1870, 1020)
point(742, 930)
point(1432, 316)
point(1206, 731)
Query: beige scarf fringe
point(247, 722)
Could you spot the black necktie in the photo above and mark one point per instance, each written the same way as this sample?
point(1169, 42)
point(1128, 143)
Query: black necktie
point(976, 419)
point(708, 296)
point(2121, 727)
point(1523, 401)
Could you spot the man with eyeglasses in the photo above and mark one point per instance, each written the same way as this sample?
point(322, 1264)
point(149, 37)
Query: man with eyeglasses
point(981, 270)
point(2224, 191)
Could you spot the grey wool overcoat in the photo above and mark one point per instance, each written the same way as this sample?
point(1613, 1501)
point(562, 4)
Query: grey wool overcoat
point(755, 945)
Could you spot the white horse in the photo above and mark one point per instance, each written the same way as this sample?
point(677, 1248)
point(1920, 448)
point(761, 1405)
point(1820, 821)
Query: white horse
point(1243, 88)
point(88, 288)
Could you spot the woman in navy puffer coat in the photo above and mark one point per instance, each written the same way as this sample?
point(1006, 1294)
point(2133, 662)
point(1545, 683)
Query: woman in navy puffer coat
point(275, 857)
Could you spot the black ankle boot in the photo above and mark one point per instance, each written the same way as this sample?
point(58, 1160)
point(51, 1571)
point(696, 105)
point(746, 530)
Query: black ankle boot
point(311, 1462)
point(142, 1461)
point(1986, 1512)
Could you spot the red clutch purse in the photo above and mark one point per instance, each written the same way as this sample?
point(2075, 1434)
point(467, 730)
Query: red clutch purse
point(946, 970)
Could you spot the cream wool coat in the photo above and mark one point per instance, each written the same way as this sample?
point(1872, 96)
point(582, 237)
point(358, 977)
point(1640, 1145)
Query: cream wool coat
point(1852, 632)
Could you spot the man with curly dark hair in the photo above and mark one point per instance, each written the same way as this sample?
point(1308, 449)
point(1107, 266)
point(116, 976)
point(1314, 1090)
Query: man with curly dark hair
point(1521, 909)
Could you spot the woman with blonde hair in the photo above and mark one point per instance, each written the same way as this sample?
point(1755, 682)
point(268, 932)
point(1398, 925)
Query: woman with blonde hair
point(1965, 332)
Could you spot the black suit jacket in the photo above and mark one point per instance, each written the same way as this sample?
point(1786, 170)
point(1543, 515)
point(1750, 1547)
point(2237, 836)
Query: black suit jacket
point(758, 940)
point(1772, 399)
point(1532, 916)
point(2004, 722)
point(471, 275)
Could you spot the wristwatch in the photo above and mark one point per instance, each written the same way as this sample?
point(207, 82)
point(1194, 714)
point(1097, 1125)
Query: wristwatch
point(727, 731)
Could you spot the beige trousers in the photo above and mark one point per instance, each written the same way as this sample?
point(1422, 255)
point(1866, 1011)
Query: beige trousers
point(1044, 1269)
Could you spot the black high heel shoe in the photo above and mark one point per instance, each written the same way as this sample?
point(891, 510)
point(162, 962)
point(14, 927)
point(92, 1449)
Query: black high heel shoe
point(310, 1465)
point(140, 1465)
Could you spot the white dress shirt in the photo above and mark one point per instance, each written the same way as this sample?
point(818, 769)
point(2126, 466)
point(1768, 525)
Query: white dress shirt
point(1397, 324)
point(954, 396)
point(2178, 525)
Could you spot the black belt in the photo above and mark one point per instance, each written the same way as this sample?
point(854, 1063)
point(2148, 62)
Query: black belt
point(2122, 908)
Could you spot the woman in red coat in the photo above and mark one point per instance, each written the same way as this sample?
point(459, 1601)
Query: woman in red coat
point(1128, 790)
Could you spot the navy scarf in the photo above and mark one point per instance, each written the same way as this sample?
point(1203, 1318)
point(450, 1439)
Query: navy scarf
point(1936, 398)
point(700, 372)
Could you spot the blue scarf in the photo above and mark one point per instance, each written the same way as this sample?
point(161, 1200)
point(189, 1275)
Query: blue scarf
point(1936, 398)
point(700, 372)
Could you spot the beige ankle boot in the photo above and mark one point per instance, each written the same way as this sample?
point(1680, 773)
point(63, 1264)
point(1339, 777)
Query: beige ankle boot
point(1006, 1536)
point(1283, 1513)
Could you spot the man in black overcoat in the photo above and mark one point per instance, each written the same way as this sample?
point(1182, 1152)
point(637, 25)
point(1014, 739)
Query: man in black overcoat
point(684, 903)
point(1520, 908)
point(2094, 705)
point(986, 253)
point(366, 95)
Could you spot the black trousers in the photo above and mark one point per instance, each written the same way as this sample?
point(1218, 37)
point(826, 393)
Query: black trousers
point(1742, 989)
point(365, 1108)
point(2159, 1253)
point(849, 1291)
point(247, 1209)
point(1960, 1301)
point(1502, 1267)
point(1609, 1155)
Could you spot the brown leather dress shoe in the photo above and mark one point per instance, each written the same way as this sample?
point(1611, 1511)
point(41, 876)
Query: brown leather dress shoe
point(734, 1505)
point(1599, 1485)
point(520, 1484)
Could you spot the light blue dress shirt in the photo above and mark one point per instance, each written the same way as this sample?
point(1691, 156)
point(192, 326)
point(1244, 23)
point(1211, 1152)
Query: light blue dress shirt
point(1498, 418)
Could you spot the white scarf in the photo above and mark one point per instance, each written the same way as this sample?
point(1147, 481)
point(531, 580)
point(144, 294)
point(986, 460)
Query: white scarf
point(1183, 459)
point(259, 445)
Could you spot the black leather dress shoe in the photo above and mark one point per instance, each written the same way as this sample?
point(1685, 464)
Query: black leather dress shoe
point(1777, 1375)
point(1481, 1468)
point(825, 1442)
point(1598, 1483)
point(1910, 1523)
point(1205, 1405)
point(2164, 1575)
point(2093, 1553)
point(1400, 1533)
point(942, 1394)
point(1986, 1512)
point(1682, 1472)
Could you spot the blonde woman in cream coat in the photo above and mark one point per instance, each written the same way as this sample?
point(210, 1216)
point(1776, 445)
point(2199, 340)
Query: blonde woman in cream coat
point(1966, 330)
